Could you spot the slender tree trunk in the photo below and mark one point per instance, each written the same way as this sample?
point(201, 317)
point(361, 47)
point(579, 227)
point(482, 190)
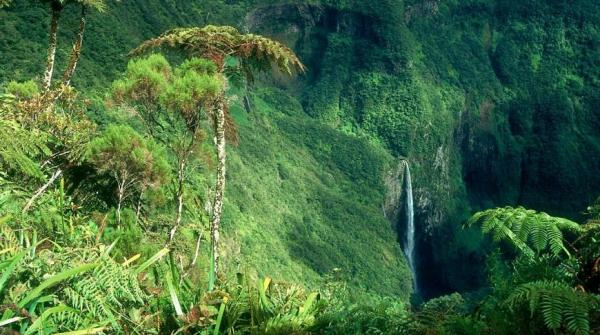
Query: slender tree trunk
point(51, 49)
point(220, 186)
point(41, 190)
point(120, 195)
point(76, 51)
point(180, 181)
point(197, 251)
point(138, 210)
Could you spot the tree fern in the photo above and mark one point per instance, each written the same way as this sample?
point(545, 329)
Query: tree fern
point(252, 52)
point(218, 42)
point(529, 231)
point(558, 305)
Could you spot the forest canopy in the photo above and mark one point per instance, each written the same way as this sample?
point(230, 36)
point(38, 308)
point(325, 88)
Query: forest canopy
point(313, 167)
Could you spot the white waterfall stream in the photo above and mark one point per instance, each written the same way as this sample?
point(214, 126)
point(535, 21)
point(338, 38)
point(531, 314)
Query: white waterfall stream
point(409, 245)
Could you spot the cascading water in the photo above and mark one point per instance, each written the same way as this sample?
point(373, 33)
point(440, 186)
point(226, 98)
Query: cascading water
point(409, 245)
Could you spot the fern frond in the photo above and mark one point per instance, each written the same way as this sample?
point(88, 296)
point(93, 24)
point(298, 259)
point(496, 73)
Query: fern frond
point(552, 306)
point(556, 303)
point(577, 317)
point(21, 149)
point(66, 288)
point(525, 229)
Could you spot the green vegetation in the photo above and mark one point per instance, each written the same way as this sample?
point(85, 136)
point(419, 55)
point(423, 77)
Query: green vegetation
point(251, 53)
point(134, 163)
point(115, 217)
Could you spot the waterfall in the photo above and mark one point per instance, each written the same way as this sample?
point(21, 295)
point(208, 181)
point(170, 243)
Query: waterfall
point(409, 245)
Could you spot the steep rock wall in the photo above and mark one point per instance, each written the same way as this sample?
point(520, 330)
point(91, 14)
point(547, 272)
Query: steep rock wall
point(494, 104)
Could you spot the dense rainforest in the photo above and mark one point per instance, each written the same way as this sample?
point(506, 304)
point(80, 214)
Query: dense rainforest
point(299, 167)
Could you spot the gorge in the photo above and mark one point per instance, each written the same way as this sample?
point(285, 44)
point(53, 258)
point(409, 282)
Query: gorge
point(360, 177)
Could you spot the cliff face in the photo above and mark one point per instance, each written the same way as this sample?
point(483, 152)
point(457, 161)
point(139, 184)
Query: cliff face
point(492, 102)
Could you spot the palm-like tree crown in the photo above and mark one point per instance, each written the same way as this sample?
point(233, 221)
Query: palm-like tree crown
point(99, 5)
point(219, 42)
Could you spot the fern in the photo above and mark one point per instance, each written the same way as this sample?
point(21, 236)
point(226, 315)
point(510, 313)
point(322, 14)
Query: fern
point(105, 290)
point(218, 42)
point(529, 231)
point(9, 242)
point(12, 195)
point(7, 100)
point(558, 305)
point(80, 287)
point(20, 148)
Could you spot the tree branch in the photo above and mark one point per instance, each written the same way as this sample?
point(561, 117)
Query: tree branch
point(41, 190)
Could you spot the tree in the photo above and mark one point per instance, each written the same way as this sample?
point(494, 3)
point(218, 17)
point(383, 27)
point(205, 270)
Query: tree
point(78, 44)
point(195, 87)
point(134, 162)
point(56, 7)
point(143, 83)
point(20, 148)
point(63, 133)
point(174, 103)
point(253, 53)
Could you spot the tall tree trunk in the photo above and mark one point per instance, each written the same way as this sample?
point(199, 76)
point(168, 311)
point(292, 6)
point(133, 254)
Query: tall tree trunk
point(180, 180)
point(220, 186)
point(76, 51)
point(51, 48)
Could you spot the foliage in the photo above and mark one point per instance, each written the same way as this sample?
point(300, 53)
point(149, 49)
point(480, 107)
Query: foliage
point(21, 149)
point(166, 98)
point(24, 90)
point(47, 288)
point(594, 212)
point(553, 285)
point(134, 162)
point(492, 102)
point(145, 79)
point(557, 303)
point(525, 229)
point(193, 89)
point(253, 307)
point(124, 153)
point(254, 52)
